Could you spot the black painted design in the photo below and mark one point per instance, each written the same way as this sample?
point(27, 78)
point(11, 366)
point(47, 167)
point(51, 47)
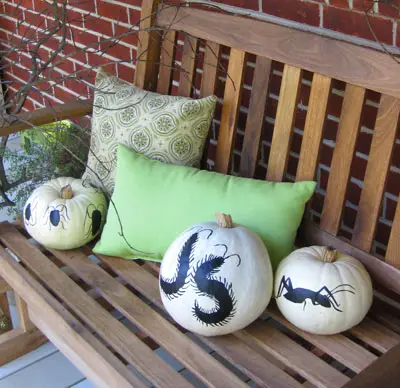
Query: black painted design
point(56, 215)
point(323, 297)
point(176, 285)
point(216, 288)
point(93, 219)
point(28, 212)
point(219, 289)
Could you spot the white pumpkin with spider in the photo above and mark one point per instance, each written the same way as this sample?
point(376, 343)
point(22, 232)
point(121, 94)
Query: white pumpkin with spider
point(65, 214)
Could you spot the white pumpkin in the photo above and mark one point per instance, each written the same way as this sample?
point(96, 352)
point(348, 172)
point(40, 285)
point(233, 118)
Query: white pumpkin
point(216, 278)
point(64, 214)
point(322, 291)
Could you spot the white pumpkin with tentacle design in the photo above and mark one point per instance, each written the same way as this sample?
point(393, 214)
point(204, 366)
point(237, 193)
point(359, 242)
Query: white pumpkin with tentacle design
point(216, 278)
point(64, 214)
point(322, 291)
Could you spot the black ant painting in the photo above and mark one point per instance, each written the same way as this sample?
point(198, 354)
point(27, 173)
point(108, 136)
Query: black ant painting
point(323, 297)
point(56, 215)
point(94, 214)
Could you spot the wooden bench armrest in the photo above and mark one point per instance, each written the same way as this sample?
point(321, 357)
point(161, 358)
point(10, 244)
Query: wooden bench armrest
point(47, 115)
point(384, 372)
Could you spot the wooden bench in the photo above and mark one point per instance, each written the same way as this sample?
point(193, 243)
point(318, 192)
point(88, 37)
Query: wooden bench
point(73, 299)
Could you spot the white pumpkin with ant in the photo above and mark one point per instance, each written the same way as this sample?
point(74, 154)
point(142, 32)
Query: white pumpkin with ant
point(322, 291)
point(65, 214)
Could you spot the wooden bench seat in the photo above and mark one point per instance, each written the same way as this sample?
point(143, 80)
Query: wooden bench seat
point(73, 297)
point(105, 314)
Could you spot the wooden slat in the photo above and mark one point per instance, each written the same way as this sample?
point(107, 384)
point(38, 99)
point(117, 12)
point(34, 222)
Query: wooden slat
point(66, 332)
point(210, 69)
point(378, 166)
point(4, 287)
point(255, 117)
point(166, 63)
point(113, 331)
point(284, 123)
point(380, 272)
point(376, 335)
point(336, 59)
point(188, 66)
point(342, 157)
point(260, 369)
point(23, 316)
point(384, 372)
point(393, 249)
point(313, 129)
point(208, 83)
point(272, 341)
point(20, 345)
point(148, 52)
point(230, 110)
point(338, 346)
point(47, 115)
point(149, 321)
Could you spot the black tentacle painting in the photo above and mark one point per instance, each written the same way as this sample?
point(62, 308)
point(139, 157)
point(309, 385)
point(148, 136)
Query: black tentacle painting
point(175, 286)
point(218, 289)
point(323, 297)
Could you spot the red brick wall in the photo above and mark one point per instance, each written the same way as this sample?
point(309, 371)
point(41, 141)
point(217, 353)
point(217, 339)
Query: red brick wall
point(93, 21)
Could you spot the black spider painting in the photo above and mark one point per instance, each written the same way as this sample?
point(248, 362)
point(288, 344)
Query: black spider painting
point(93, 219)
point(204, 281)
point(323, 297)
point(30, 214)
point(56, 215)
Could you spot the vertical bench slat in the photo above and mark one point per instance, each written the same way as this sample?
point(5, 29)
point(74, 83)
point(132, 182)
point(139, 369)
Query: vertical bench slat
point(342, 157)
point(148, 52)
point(210, 68)
point(284, 123)
point(393, 250)
point(230, 109)
point(255, 117)
point(208, 83)
point(313, 129)
point(188, 66)
point(166, 63)
point(378, 166)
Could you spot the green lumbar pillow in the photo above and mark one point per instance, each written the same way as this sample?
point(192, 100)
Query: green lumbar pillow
point(154, 202)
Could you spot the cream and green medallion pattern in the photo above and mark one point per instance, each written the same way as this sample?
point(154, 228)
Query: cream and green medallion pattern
point(166, 128)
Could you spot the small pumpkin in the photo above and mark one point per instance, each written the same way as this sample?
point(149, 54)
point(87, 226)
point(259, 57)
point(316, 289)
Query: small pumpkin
point(322, 291)
point(216, 277)
point(64, 214)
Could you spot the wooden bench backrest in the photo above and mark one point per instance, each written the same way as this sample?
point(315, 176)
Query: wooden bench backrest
point(327, 59)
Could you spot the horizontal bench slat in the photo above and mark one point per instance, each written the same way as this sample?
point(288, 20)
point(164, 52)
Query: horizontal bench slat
point(47, 115)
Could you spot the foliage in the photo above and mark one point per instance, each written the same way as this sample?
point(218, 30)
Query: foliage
point(43, 156)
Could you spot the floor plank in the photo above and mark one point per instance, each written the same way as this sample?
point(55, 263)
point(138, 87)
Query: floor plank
point(26, 361)
point(54, 371)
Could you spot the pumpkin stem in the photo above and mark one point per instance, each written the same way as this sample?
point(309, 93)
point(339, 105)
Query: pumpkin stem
point(224, 220)
point(66, 192)
point(329, 255)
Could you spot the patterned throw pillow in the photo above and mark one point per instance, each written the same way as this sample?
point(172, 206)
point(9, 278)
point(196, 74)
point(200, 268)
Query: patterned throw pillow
point(166, 128)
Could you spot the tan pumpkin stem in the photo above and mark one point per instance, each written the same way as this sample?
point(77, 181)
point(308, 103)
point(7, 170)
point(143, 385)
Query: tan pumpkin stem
point(66, 192)
point(224, 220)
point(329, 255)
